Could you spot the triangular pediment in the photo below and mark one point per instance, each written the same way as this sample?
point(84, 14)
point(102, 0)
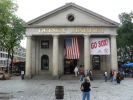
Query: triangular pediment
point(80, 17)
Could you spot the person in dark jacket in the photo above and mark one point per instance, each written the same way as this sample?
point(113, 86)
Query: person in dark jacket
point(85, 88)
point(118, 78)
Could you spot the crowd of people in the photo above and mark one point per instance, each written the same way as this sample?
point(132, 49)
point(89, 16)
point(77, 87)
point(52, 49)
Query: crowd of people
point(86, 77)
point(114, 76)
point(80, 71)
point(128, 72)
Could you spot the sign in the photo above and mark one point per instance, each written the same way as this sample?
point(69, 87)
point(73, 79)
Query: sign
point(100, 46)
point(74, 30)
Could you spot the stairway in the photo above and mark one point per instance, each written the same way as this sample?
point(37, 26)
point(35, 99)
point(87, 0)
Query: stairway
point(96, 74)
point(43, 76)
point(70, 77)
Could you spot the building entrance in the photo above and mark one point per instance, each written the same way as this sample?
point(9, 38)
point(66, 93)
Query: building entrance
point(69, 65)
point(96, 62)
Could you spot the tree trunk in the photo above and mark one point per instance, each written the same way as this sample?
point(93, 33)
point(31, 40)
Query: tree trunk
point(8, 68)
point(12, 56)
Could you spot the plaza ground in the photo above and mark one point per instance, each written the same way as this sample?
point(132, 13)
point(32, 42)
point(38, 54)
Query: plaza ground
point(42, 89)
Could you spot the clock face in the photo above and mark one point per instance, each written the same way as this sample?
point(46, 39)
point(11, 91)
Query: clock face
point(70, 17)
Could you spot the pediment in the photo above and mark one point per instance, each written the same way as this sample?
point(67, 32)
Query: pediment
point(71, 15)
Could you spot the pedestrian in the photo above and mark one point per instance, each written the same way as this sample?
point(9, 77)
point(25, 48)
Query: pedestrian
point(111, 75)
point(90, 75)
point(132, 73)
point(22, 74)
point(82, 77)
point(105, 76)
point(76, 71)
point(114, 76)
point(118, 78)
point(85, 88)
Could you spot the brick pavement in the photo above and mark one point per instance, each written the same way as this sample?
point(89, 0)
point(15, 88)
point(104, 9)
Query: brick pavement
point(17, 89)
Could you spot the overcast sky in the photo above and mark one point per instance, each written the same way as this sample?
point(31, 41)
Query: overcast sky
point(30, 9)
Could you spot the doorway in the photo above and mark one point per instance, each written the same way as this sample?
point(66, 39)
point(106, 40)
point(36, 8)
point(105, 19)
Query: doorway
point(69, 65)
point(96, 62)
point(44, 62)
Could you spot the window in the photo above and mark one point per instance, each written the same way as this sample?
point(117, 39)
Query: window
point(44, 62)
point(44, 44)
point(70, 17)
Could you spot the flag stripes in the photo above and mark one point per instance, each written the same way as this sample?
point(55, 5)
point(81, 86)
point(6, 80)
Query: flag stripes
point(72, 48)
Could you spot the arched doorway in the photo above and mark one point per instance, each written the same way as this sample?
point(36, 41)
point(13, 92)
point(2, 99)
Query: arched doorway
point(44, 62)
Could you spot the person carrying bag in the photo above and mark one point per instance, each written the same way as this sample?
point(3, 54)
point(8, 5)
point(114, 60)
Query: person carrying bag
point(85, 88)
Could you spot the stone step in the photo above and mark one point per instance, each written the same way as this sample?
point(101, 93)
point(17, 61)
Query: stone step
point(70, 77)
point(41, 77)
point(98, 76)
point(65, 77)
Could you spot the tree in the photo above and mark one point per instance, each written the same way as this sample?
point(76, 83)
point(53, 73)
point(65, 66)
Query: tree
point(125, 34)
point(11, 27)
point(125, 31)
point(16, 34)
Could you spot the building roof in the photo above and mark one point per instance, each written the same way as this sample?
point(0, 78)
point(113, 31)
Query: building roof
point(74, 6)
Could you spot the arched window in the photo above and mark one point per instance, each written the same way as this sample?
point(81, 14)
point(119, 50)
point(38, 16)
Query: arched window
point(44, 62)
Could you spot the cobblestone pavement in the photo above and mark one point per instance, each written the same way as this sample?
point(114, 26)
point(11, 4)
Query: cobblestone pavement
point(17, 89)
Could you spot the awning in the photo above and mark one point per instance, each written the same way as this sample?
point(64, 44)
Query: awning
point(128, 65)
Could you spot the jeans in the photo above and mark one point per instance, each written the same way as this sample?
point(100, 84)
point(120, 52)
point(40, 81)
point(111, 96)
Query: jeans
point(22, 76)
point(105, 78)
point(86, 95)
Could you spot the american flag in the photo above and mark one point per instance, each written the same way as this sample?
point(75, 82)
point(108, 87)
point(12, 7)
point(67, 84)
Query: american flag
point(71, 48)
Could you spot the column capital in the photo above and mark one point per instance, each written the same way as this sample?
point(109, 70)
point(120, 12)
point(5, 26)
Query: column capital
point(113, 35)
point(56, 36)
point(86, 35)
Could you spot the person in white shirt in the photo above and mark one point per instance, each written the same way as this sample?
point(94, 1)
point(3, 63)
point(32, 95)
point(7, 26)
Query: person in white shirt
point(76, 71)
point(105, 76)
point(22, 74)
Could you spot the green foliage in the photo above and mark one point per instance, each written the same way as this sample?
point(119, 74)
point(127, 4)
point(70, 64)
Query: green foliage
point(17, 30)
point(11, 27)
point(124, 38)
point(125, 31)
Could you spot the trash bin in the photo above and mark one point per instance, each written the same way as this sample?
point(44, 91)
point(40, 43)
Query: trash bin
point(59, 92)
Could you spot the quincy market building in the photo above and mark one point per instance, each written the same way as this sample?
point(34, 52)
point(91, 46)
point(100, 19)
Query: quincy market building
point(68, 36)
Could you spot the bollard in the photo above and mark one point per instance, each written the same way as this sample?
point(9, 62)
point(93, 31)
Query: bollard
point(59, 92)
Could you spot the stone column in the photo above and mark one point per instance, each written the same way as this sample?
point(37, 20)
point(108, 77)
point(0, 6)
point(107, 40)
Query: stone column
point(55, 56)
point(86, 52)
point(28, 58)
point(33, 56)
point(114, 65)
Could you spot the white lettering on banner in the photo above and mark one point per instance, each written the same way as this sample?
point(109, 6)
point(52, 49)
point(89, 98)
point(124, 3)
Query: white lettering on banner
point(100, 46)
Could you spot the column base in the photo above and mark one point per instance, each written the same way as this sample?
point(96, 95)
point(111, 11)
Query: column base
point(28, 76)
point(57, 77)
